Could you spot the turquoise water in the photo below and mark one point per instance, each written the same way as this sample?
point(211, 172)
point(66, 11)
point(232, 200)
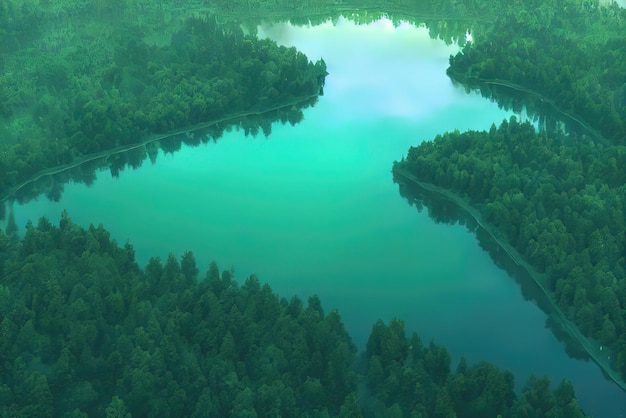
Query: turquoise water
point(313, 209)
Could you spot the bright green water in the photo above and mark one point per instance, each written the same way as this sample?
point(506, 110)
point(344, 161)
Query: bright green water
point(313, 209)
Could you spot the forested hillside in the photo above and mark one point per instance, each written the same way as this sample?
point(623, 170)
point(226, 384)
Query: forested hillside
point(570, 52)
point(85, 332)
point(85, 92)
point(559, 200)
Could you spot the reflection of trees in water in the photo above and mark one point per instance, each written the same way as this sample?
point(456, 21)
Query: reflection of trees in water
point(548, 118)
point(445, 20)
point(11, 227)
point(445, 211)
point(573, 348)
point(52, 185)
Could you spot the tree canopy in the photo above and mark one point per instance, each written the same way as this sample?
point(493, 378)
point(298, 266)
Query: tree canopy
point(559, 200)
point(83, 95)
point(86, 332)
point(568, 51)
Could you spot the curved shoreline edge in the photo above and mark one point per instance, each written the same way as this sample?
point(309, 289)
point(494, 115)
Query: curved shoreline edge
point(5, 195)
point(467, 80)
point(591, 347)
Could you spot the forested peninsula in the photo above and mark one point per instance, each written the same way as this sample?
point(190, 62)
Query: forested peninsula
point(557, 198)
point(571, 52)
point(84, 331)
point(68, 91)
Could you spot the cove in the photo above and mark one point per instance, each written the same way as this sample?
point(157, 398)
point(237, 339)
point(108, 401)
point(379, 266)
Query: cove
point(313, 209)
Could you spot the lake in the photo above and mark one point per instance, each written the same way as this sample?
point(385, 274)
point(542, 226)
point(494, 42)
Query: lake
point(312, 209)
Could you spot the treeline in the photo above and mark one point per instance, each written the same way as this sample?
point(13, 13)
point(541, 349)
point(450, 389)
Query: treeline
point(52, 184)
point(558, 200)
point(414, 380)
point(448, 21)
point(85, 332)
point(547, 116)
point(571, 52)
point(205, 71)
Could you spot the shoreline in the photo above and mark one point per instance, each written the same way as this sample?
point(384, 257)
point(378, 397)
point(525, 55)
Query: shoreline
point(5, 195)
point(466, 80)
point(592, 348)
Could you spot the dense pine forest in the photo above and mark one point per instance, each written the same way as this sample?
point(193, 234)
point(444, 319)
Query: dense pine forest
point(571, 54)
point(557, 198)
point(86, 332)
point(80, 96)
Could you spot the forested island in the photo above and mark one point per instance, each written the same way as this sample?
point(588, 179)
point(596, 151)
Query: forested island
point(84, 331)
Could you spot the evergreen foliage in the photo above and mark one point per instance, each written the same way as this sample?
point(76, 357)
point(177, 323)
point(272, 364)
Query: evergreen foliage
point(86, 332)
point(409, 379)
point(571, 52)
point(558, 200)
point(87, 99)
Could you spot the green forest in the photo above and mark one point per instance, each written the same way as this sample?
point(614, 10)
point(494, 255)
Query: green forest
point(52, 183)
point(84, 331)
point(64, 96)
point(572, 54)
point(557, 198)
